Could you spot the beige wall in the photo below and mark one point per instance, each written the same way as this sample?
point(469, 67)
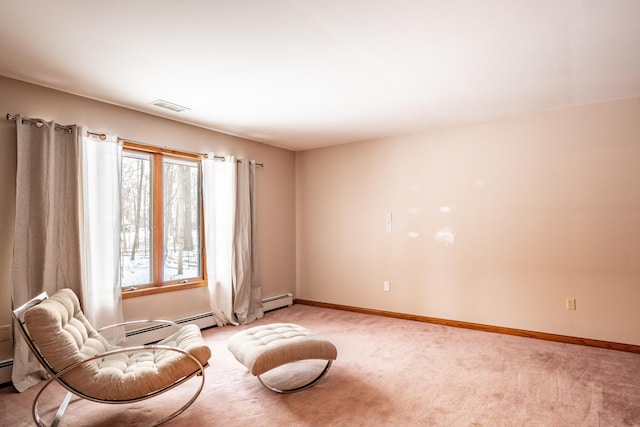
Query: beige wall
point(542, 208)
point(275, 183)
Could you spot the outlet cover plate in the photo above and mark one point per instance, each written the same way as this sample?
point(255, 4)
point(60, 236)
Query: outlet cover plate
point(5, 333)
point(571, 303)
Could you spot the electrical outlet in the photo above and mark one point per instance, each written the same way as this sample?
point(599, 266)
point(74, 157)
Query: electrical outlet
point(5, 333)
point(386, 287)
point(571, 303)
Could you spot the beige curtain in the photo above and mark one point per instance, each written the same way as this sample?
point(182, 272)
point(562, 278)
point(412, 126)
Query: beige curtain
point(230, 232)
point(247, 303)
point(46, 254)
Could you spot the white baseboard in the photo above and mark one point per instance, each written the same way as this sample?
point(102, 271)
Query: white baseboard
point(155, 333)
point(279, 301)
point(5, 371)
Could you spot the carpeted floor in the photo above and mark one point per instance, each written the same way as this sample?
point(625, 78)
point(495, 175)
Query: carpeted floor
point(392, 372)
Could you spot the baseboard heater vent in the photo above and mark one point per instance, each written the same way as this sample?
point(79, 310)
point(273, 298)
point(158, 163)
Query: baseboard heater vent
point(5, 371)
point(203, 320)
point(157, 332)
point(279, 301)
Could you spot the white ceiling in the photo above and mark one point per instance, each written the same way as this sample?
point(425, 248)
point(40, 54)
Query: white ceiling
point(302, 74)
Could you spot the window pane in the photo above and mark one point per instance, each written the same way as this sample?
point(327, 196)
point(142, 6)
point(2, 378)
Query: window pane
point(136, 241)
point(181, 217)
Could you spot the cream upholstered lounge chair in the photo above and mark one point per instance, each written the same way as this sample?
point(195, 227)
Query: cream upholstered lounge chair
point(79, 358)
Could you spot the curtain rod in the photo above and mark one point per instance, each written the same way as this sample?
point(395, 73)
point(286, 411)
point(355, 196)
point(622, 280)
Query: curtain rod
point(102, 136)
point(177, 151)
point(39, 123)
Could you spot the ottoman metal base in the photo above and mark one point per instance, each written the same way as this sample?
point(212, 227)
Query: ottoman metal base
point(266, 347)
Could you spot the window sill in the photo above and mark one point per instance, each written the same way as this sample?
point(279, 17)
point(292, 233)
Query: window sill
point(162, 289)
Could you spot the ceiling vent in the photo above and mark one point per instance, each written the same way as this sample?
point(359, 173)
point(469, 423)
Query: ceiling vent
point(169, 105)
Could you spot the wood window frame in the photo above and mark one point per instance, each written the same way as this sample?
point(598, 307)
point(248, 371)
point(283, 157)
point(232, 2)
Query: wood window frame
point(157, 286)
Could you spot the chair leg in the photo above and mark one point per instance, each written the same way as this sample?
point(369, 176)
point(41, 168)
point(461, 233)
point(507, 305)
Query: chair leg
point(61, 409)
point(193, 398)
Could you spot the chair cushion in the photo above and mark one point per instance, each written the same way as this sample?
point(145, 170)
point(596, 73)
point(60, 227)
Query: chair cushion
point(64, 336)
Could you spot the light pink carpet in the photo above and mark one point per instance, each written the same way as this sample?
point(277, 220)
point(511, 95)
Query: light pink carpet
point(392, 372)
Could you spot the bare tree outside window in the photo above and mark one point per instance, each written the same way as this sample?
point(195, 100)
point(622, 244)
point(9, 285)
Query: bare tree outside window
point(181, 214)
point(135, 243)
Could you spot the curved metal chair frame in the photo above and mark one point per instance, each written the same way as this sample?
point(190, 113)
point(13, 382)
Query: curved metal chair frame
point(302, 387)
point(18, 314)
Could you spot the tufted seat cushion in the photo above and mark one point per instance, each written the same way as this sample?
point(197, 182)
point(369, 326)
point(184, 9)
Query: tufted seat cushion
point(64, 337)
point(266, 347)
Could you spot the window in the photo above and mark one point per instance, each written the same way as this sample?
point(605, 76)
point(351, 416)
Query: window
point(162, 237)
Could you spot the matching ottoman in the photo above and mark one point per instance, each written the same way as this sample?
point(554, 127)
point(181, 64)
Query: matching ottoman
point(266, 347)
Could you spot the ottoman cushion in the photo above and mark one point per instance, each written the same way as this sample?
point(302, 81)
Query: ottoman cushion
point(266, 347)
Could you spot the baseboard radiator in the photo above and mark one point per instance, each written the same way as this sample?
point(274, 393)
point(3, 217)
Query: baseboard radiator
point(279, 301)
point(155, 333)
point(5, 371)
